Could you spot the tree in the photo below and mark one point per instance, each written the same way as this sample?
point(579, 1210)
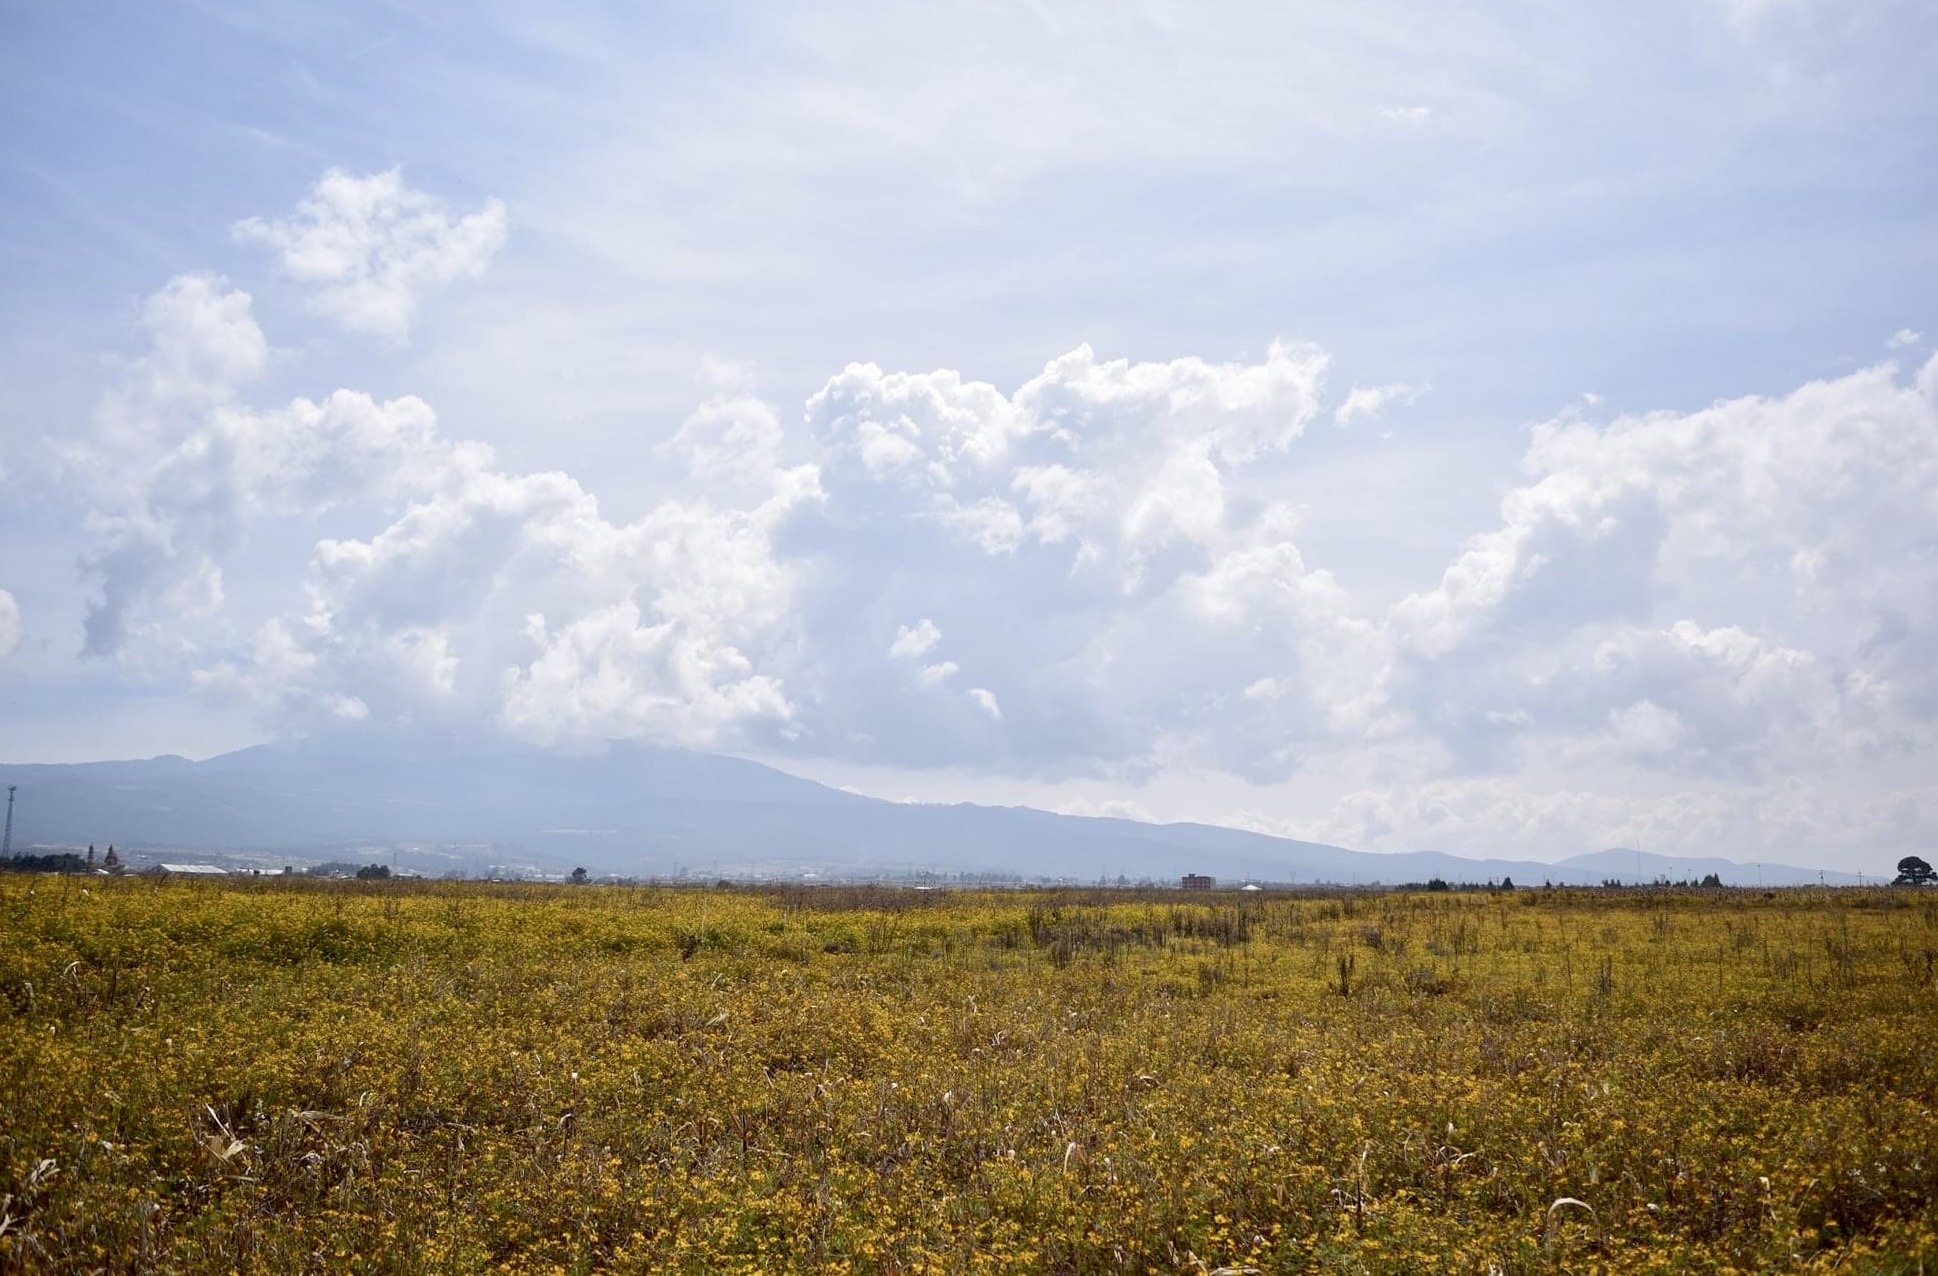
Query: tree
point(579, 876)
point(1913, 871)
point(369, 871)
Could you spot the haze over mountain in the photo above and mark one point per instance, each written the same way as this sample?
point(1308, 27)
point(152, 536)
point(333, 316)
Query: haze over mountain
point(643, 811)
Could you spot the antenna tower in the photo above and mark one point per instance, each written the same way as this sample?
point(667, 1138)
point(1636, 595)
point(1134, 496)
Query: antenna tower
point(6, 843)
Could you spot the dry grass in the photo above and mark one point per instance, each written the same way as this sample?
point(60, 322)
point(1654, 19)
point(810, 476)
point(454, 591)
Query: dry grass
point(420, 1077)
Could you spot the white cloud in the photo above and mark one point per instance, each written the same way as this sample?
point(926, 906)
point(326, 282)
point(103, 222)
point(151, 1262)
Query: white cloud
point(280, 672)
point(1903, 339)
point(203, 348)
point(1743, 703)
point(372, 247)
point(9, 624)
point(663, 629)
point(941, 671)
point(916, 641)
point(1371, 402)
point(1114, 460)
point(732, 442)
point(510, 600)
point(205, 344)
point(1834, 469)
point(1406, 114)
point(178, 470)
point(616, 673)
point(1761, 569)
point(1094, 548)
point(484, 597)
point(1074, 538)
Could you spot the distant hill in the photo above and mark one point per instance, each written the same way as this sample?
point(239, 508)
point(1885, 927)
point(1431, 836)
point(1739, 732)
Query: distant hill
point(639, 810)
point(1630, 864)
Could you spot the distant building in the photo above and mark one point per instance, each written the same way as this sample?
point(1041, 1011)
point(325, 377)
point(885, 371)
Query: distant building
point(190, 870)
point(1197, 882)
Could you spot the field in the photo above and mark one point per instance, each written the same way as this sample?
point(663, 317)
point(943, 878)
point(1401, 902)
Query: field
point(280, 1077)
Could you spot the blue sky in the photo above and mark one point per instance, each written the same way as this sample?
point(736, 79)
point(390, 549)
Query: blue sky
point(1497, 428)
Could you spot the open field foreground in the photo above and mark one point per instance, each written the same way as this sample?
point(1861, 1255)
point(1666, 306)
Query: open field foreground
point(454, 1077)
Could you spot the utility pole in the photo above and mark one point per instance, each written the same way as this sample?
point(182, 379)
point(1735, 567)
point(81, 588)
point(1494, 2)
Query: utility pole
point(6, 843)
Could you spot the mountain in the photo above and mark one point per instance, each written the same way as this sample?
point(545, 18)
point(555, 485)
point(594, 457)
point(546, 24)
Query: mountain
point(1629, 865)
point(640, 810)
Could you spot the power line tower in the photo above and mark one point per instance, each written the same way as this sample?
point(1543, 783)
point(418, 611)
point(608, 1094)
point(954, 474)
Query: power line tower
point(6, 843)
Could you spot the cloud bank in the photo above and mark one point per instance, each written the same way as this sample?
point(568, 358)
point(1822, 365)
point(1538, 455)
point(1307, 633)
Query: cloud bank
point(1682, 624)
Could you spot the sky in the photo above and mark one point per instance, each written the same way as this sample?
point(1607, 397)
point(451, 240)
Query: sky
point(1505, 428)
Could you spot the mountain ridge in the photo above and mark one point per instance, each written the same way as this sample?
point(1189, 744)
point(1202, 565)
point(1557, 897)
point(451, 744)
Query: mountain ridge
point(645, 810)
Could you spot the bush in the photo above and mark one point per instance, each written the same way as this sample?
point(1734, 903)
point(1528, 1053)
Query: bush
point(64, 862)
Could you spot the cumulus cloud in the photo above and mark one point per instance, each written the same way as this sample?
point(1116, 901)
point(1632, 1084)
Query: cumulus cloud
point(179, 469)
point(510, 599)
point(1743, 703)
point(1113, 460)
point(204, 346)
point(1903, 339)
point(483, 596)
point(1091, 543)
point(1759, 569)
point(371, 247)
point(9, 624)
point(1096, 547)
